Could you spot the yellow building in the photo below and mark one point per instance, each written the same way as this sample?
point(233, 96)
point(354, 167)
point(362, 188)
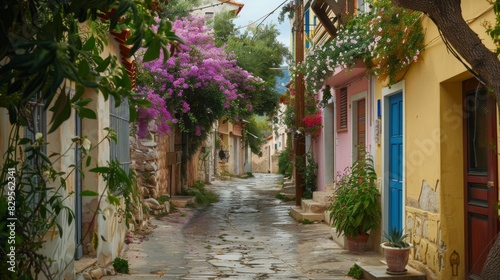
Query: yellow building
point(449, 157)
point(436, 136)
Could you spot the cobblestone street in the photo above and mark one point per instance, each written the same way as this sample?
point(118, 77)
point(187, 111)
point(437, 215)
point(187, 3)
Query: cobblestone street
point(248, 234)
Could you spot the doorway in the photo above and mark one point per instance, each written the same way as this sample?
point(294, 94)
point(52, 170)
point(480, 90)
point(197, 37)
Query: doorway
point(359, 127)
point(395, 162)
point(481, 174)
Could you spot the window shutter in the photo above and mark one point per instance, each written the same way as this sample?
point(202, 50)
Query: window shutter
point(342, 109)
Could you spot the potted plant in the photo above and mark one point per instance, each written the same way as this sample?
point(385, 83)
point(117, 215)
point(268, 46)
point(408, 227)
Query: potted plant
point(355, 209)
point(396, 251)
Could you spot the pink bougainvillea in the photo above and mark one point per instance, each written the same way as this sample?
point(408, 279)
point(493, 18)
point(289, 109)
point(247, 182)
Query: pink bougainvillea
point(199, 84)
point(157, 114)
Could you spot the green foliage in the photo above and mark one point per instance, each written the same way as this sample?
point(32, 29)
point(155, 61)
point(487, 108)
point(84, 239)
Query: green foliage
point(309, 175)
point(121, 184)
point(249, 175)
point(254, 43)
point(178, 8)
point(42, 201)
point(494, 30)
point(387, 40)
point(162, 199)
point(356, 209)
point(396, 238)
point(306, 221)
point(259, 42)
point(52, 53)
point(47, 44)
point(356, 272)
point(120, 265)
point(223, 27)
point(203, 196)
point(245, 47)
point(285, 165)
point(282, 197)
point(256, 132)
point(288, 9)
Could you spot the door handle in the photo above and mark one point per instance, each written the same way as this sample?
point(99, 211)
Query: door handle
point(490, 184)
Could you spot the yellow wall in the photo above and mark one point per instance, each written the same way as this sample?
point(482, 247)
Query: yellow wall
point(434, 150)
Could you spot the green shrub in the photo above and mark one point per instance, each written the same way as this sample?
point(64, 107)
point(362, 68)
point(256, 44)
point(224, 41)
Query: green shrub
point(285, 165)
point(309, 175)
point(162, 199)
point(356, 272)
point(120, 265)
point(306, 221)
point(283, 197)
point(202, 195)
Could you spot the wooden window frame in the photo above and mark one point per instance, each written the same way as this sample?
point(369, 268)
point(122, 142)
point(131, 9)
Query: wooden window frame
point(342, 110)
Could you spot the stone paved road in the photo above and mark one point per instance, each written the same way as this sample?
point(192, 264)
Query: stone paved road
point(248, 234)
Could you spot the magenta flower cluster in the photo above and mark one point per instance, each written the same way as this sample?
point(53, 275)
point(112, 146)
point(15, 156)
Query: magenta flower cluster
point(198, 67)
point(156, 116)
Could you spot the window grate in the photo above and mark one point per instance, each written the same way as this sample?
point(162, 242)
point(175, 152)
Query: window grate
point(119, 122)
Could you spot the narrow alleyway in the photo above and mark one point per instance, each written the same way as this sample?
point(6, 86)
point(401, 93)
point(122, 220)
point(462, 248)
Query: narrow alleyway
point(248, 234)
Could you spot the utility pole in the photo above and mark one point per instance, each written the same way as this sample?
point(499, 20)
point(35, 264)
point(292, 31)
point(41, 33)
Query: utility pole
point(299, 139)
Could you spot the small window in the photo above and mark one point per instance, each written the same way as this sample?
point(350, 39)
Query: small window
point(342, 109)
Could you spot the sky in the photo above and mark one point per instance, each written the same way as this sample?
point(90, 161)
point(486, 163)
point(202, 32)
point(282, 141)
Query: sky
point(256, 10)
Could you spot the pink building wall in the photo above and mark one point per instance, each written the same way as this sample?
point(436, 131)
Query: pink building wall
point(340, 144)
point(344, 149)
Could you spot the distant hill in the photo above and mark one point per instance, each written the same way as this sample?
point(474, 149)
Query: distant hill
point(282, 81)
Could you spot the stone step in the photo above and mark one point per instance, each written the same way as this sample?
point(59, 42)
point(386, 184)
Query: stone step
point(329, 187)
point(299, 215)
point(323, 197)
point(327, 217)
point(309, 205)
point(181, 201)
point(377, 271)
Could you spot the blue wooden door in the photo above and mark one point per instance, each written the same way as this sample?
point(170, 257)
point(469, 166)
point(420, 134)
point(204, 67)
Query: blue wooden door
point(396, 162)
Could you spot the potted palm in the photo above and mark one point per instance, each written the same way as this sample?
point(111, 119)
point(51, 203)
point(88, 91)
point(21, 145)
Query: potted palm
point(396, 251)
point(356, 209)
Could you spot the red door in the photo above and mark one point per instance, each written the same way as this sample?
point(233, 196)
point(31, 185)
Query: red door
point(481, 191)
point(361, 127)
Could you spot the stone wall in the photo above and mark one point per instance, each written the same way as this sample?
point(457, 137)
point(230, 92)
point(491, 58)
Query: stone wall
point(424, 228)
point(260, 164)
point(158, 168)
point(274, 163)
point(144, 160)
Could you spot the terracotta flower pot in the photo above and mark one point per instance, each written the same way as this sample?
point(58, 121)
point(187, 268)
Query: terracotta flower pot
point(356, 245)
point(396, 258)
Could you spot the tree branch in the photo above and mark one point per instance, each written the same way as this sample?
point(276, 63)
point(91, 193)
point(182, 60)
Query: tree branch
point(421, 5)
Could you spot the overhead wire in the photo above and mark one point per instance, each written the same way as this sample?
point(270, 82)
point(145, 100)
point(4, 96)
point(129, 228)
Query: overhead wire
point(264, 17)
point(271, 13)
